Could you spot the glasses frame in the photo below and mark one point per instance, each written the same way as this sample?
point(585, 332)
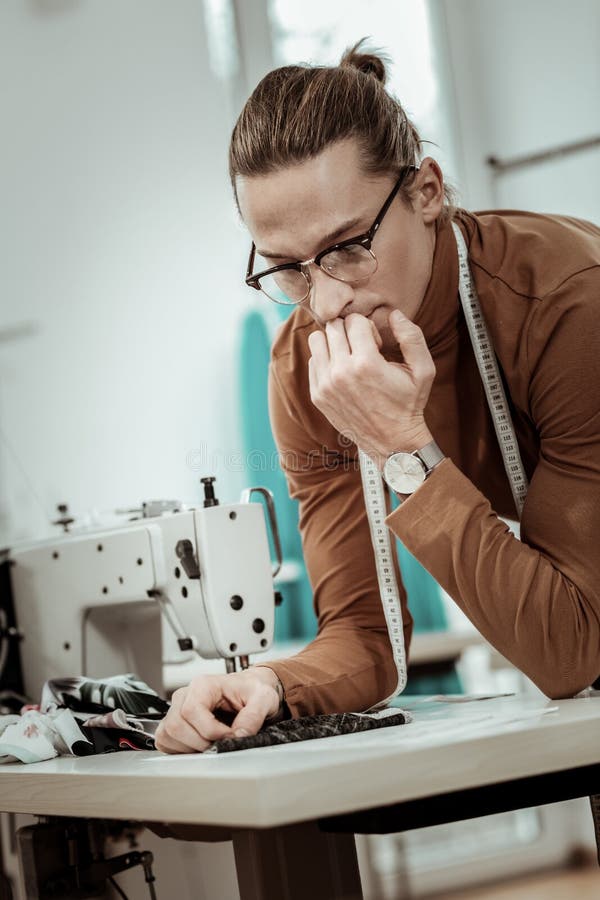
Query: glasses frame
point(365, 240)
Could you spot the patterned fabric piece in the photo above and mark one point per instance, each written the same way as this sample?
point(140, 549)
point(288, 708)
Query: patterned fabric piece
point(310, 727)
point(111, 738)
point(116, 730)
point(118, 718)
point(99, 695)
point(79, 716)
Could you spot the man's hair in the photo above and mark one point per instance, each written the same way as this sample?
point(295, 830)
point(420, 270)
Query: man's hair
point(295, 112)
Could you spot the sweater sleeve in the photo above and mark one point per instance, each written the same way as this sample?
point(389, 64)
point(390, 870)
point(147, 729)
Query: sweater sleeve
point(536, 600)
point(349, 665)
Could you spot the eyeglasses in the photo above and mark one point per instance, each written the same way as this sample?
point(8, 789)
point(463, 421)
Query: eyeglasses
point(351, 261)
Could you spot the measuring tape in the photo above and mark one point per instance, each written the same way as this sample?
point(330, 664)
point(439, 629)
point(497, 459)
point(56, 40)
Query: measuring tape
point(490, 375)
point(374, 495)
point(372, 482)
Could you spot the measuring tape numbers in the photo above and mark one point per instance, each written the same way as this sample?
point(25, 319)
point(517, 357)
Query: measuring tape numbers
point(490, 375)
point(374, 496)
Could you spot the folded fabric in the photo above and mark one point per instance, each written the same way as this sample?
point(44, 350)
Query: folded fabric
point(36, 736)
point(79, 716)
point(310, 727)
point(117, 731)
point(119, 719)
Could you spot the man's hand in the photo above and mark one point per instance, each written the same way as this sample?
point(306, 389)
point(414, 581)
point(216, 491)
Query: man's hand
point(191, 724)
point(378, 404)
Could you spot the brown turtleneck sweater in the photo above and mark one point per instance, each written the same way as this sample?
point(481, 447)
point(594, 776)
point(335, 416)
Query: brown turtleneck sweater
point(536, 600)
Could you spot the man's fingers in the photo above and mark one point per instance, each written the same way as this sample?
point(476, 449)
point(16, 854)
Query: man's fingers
point(363, 336)
point(191, 725)
point(251, 717)
point(413, 346)
point(337, 340)
point(317, 344)
point(168, 744)
point(376, 335)
point(193, 706)
point(202, 720)
point(180, 731)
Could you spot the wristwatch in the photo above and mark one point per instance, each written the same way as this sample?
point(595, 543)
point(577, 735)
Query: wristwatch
point(405, 472)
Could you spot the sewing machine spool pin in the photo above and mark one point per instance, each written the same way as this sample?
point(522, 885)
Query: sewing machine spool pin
point(65, 519)
point(209, 491)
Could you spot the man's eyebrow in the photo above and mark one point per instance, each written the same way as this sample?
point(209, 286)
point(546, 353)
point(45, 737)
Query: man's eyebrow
point(327, 239)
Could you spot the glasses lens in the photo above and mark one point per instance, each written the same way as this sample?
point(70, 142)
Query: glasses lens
point(351, 263)
point(287, 286)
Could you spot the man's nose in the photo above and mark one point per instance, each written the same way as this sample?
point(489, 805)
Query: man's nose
point(328, 297)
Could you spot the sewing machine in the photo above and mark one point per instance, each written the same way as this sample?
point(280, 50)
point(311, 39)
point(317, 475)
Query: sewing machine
point(112, 600)
point(106, 601)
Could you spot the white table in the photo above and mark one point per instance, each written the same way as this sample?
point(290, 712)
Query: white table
point(454, 761)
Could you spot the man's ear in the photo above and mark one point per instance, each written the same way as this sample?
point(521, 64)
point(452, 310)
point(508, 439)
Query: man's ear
point(429, 190)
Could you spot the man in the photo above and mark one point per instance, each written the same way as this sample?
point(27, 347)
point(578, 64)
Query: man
point(352, 228)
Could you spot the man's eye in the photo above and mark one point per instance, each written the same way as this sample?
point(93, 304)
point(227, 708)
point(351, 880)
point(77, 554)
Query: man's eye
point(352, 250)
point(351, 254)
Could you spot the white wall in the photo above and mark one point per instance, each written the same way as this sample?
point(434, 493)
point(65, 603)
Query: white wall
point(121, 248)
point(526, 78)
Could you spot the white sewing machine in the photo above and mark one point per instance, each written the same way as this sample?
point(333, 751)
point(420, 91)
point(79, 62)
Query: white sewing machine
point(105, 601)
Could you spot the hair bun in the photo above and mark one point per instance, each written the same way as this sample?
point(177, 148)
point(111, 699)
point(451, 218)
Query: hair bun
point(369, 63)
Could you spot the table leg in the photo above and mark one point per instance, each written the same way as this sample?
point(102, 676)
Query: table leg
point(296, 862)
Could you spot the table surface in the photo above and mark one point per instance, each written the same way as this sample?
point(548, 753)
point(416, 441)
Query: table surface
point(449, 746)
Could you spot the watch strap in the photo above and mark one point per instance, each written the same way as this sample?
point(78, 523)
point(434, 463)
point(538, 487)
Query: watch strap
point(430, 455)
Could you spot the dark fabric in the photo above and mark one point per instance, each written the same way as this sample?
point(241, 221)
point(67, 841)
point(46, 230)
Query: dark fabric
point(308, 728)
point(109, 740)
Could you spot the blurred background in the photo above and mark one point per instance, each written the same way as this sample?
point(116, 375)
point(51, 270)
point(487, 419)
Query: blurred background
point(122, 254)
point(132, 355)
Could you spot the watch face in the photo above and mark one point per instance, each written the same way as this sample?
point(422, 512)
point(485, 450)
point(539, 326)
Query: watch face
point(404, 473)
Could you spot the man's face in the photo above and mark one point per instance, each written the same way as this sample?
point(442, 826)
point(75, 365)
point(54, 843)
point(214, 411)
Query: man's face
point(295, 212)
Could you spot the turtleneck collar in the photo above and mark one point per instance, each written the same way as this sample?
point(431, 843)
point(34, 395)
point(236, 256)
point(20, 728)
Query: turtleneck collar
point(440, 311)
